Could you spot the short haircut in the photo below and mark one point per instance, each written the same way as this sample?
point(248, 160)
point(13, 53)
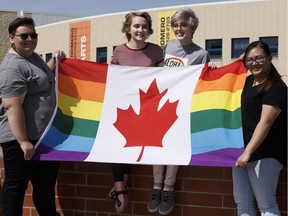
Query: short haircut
point(188, 15)
point(25, 21)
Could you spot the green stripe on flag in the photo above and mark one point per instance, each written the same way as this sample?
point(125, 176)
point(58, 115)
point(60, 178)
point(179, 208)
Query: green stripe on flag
point(217, 118)
point(75, 126)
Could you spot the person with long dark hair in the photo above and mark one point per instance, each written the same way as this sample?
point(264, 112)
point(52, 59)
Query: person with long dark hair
point(264, 121)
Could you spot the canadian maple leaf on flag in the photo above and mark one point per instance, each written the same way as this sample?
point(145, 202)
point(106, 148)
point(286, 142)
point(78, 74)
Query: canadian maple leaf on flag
point(149, 127)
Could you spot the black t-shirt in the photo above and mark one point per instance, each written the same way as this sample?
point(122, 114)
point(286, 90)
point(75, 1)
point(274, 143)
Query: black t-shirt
point(275, 144)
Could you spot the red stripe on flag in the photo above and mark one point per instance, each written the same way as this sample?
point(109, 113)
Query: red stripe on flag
point(236, 67)
point(84, 70)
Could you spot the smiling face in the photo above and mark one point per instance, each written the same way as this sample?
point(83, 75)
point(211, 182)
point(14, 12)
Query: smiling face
point(258, 62)
point(182, 31)
point(24, 46)
point(139, 29)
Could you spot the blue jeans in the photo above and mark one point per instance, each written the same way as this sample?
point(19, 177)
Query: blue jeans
point(18, 172)
point(257, 181)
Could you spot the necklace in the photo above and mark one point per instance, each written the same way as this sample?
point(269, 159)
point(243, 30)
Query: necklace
point(255, 83)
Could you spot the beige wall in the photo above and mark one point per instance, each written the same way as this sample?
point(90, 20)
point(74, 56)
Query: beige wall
point(222, 20)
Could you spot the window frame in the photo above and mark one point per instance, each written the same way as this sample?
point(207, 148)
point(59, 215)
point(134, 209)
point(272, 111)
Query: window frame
point(100, 54)
point(235, 53)
point(216, 50)
point(272, 48)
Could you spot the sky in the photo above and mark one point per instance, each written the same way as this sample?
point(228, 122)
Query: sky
point(91, 7)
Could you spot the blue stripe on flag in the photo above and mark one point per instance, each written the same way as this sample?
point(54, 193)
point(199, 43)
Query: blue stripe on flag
point(65, 142)
point(216, 139)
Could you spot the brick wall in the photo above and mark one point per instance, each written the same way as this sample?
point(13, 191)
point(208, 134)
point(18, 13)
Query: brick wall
point(203, 191)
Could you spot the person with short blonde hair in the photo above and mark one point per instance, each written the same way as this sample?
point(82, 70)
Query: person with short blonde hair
point(181, 51)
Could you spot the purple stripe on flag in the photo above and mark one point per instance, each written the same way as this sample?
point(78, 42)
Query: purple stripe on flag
point(222, 158)
point(45, 153)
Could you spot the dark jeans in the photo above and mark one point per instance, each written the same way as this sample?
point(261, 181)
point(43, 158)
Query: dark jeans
point(18, 172)
point(119, 170)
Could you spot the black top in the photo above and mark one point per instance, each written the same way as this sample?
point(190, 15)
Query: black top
point(275, 144)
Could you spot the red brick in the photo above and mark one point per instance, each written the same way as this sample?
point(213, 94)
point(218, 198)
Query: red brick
point(228, 201)
point(82, 187)
point(72, 178)
point(188, 211)
point(198, 199)
point(208, 186)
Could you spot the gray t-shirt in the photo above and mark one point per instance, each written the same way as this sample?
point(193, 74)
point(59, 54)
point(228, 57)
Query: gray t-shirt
point(177, 55)
point(33, 76)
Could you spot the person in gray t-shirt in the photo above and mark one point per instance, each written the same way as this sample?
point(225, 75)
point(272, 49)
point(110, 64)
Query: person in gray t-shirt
point(27, 102)
point(177, 52)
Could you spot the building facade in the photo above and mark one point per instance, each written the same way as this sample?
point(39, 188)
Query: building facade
point(225, 30)
point(40, 19)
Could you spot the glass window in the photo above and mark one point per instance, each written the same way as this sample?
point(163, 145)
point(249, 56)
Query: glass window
point(214, 47)
point(273, 44)
point(238, 46)
point(48, 56)
point(102, 55)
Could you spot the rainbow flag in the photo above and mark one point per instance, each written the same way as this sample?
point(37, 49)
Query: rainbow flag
point(146, 115)
point(216, 130)
point(80, 98)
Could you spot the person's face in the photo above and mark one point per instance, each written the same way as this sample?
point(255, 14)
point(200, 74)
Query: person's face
point(182, 31)
point(139, 29)
point(258, 63)
point(24, 40)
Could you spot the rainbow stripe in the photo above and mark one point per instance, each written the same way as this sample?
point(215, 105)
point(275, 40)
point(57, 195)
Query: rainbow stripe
point(215, 119)
point(80, 100)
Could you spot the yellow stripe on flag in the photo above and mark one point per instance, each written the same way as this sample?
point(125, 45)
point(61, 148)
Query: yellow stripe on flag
point(80, 108)
point(216, 100)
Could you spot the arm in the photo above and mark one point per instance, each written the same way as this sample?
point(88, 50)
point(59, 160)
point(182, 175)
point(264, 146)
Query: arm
point(52, 62)
point(16, 121)
point(268, 116)
point(160, 64)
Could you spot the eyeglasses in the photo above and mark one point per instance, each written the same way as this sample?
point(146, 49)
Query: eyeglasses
point(25, 36)
point(257, 59)
point(181, 25)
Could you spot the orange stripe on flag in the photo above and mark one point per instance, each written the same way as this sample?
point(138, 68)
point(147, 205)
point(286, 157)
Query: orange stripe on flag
point(222, 84)
point(86, 90)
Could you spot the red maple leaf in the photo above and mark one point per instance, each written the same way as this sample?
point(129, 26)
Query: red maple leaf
point(149, 126)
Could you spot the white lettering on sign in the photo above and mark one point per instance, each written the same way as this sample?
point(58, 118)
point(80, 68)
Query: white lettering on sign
point(83, 47)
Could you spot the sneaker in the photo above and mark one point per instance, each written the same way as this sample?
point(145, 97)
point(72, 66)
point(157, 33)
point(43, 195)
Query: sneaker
point(167, 202)
point(154, 200)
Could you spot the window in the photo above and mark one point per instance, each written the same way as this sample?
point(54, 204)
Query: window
point(273, 44)
point(102, 55)
point(48, 56)
point(238, 46)
point(214, 47)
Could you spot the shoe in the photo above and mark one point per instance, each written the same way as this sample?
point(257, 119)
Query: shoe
point(154, 200)
point(120, 205)
point(167, 202)
point(111, 196)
